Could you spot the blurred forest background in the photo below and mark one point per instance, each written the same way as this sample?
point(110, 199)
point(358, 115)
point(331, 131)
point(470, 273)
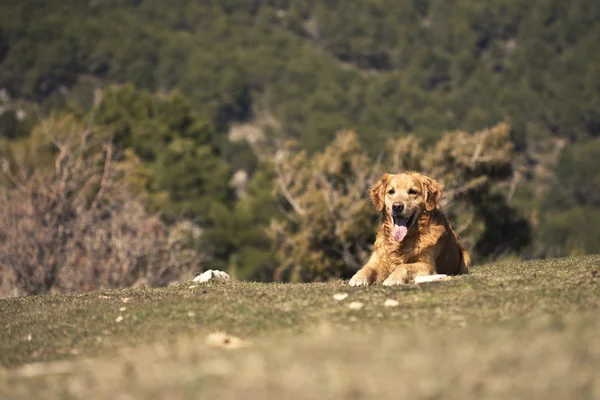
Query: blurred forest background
point(142, 141)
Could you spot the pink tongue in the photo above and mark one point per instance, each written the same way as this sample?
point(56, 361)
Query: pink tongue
point(399, 232)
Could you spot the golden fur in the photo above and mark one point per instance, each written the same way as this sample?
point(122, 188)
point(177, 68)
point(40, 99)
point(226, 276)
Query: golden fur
point(431, 246)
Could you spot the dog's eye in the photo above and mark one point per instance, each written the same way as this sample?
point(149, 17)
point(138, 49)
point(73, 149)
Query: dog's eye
point(412, 191)
point(391, 191)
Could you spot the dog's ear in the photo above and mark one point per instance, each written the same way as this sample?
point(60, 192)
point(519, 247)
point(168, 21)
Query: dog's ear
point(378, 191)
point(433, 193)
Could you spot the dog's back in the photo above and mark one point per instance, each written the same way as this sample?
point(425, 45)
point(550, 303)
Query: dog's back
point(453, 258)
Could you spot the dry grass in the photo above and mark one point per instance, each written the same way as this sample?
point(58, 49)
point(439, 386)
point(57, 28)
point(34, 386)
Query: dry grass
point(509, 330)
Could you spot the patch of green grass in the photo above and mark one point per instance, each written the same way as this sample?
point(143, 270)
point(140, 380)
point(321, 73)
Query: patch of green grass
point(508, 330)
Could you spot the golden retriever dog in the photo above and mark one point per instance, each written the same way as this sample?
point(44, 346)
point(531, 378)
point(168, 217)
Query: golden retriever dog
point(415, 238)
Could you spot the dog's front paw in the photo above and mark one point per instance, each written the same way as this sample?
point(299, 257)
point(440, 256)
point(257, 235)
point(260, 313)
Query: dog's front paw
point(359, 279)
point(398, 277)
point(392, 282)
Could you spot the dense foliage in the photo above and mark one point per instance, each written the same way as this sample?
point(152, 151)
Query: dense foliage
point(209, 92)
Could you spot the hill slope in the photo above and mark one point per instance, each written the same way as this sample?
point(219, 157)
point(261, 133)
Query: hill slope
point(506, 330)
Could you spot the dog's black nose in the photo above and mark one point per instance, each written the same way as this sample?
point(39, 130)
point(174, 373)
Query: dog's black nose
point(397, 207)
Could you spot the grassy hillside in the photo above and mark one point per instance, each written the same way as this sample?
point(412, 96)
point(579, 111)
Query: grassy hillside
point(507, 330)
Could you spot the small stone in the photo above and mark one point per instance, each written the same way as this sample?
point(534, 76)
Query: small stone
point(340, 296)
point(355, 305)
point(122, 309)
point(212, 275)
point(103, 297)
point(391, 303)
point(191, 314)
point(119, 318)
point(225, 341)
point(125, 299)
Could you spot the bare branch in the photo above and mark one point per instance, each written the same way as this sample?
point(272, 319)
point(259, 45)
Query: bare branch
point(479, 147)
point(329, 194)
point(513, 187)
point(374, 170)
point(286, 214)
point(281, 181)
point(466, 225)
point(105, 174)
point(7, 172)
point(451, 194)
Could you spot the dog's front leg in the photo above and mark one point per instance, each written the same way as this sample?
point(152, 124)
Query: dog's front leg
point(372, 272)
point(405, 273)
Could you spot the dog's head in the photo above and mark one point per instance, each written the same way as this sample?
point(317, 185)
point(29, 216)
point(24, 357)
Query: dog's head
point(403, 198)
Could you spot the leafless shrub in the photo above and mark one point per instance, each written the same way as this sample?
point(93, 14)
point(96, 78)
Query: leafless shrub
point(76, 227)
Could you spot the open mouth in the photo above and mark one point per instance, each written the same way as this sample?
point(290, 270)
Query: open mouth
point(401, 226)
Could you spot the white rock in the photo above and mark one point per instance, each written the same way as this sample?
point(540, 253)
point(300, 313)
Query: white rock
point(355, 305)
point(122, 309)
point(225, 341)
point(119, 318)
point(391, 303)
point(212, 275)
point(340, 296)
point(432, 278)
